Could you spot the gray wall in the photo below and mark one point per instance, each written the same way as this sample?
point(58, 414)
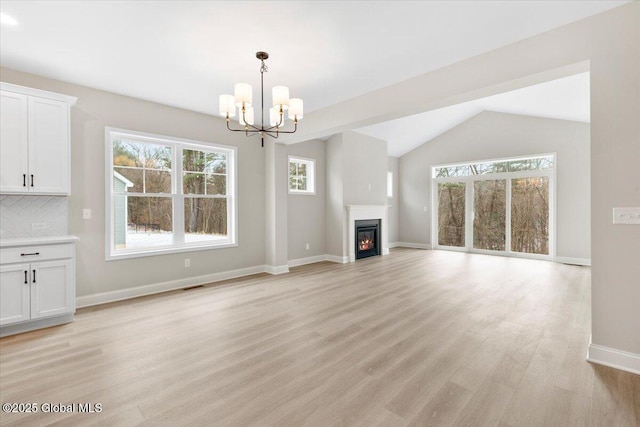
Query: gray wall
point(364, 169)
point(275, 189)
point(490, 135)
point(334, 230)
point(96, 109)
point(394, 202)
point(307, 213)
point(356, 175)
point(607, 45)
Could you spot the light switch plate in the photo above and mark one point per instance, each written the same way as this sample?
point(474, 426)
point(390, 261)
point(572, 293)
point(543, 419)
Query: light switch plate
point(86, 213)
point(626, 216)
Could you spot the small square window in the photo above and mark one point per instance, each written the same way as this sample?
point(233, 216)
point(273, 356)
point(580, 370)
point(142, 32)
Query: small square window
point(302, 175)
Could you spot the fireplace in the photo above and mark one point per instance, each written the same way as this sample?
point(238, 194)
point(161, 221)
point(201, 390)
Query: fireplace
point(367, 238)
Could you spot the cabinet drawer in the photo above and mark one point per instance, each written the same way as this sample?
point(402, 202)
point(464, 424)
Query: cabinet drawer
point(36, 253)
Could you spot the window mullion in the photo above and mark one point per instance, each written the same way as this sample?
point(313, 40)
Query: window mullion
point(178, 198)
point(508, 217)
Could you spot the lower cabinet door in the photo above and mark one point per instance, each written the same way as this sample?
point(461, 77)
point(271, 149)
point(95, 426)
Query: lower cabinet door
point(52, 288)
point(14, 294)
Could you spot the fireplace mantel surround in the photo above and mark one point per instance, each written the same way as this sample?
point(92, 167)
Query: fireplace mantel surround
point(359, 212)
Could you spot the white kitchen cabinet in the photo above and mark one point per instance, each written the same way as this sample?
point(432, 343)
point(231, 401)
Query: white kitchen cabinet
point(37, 286)
point(15, 294)
point(34, 144)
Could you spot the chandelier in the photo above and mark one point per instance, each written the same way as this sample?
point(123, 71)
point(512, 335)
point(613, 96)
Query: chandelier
point(243, 99)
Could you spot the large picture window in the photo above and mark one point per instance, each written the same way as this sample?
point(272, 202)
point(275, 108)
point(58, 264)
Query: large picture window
point(167, 195)
point(502, 206)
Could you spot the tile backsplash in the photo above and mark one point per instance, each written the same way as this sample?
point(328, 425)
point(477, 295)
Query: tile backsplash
point(33, 216)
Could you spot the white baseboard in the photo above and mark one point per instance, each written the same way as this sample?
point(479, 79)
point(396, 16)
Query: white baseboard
point(276, 269)
point(409, 245)
point(574, 261)
point(309, 260)
point(338, 259)
point(112, 296)
point(614, 358)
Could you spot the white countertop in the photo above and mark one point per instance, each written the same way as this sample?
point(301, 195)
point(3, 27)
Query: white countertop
point(46, 240)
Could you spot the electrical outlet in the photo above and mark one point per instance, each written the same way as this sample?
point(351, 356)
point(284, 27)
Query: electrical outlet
point(307, 246)
point(38, 225)
point(425, 208)
point(626, 215)
point(187, 262)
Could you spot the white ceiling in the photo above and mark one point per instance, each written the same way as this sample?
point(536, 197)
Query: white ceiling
point(566, 99)
point(185, 54)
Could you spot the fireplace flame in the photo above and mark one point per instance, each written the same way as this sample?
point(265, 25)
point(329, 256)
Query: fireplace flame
point(365, 244)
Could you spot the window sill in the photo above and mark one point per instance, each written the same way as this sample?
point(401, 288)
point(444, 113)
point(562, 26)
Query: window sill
point(303, 193)
point(167, 251)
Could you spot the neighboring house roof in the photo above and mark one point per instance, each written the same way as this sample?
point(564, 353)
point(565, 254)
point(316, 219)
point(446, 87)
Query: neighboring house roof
point(121, 178)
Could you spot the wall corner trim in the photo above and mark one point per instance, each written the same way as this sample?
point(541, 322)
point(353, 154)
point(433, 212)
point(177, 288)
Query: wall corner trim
point(614, 358)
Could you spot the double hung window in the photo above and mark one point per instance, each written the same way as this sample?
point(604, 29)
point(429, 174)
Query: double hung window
point(167, 195)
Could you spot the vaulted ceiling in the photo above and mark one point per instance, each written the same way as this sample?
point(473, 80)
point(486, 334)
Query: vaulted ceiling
point(185, 54)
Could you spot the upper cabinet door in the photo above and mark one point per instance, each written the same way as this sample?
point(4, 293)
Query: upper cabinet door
point(14, 168)
point(48, 146)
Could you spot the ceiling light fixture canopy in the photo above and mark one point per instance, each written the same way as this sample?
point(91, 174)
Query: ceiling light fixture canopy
point(243, 99)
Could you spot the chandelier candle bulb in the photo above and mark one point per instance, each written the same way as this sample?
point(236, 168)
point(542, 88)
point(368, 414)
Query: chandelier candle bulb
point(248, 115)
point(281, 97)
point(243, 94)
point(295, 109)
point(274, 117)
point(227, 106)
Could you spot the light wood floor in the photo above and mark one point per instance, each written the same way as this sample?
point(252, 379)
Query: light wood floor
point(413, 338)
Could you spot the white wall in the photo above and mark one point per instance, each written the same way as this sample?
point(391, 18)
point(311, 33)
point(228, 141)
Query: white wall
point(96, 109)
point(307, 213)
point(491, 135)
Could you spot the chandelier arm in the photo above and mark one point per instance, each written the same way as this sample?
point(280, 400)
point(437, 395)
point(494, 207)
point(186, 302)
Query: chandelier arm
point(290, 131)
point(254, 130)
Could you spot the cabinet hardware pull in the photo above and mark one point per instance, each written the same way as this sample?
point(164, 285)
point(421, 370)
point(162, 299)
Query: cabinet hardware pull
point(25, 277)
point(33, 253)
point(24, 179)
point(34, 276)
point(32, 180)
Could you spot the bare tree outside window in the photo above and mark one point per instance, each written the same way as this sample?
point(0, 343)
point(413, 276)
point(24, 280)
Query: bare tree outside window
point(490, 215)
point(451, 214)
point(530, 215)
point(508, 204)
